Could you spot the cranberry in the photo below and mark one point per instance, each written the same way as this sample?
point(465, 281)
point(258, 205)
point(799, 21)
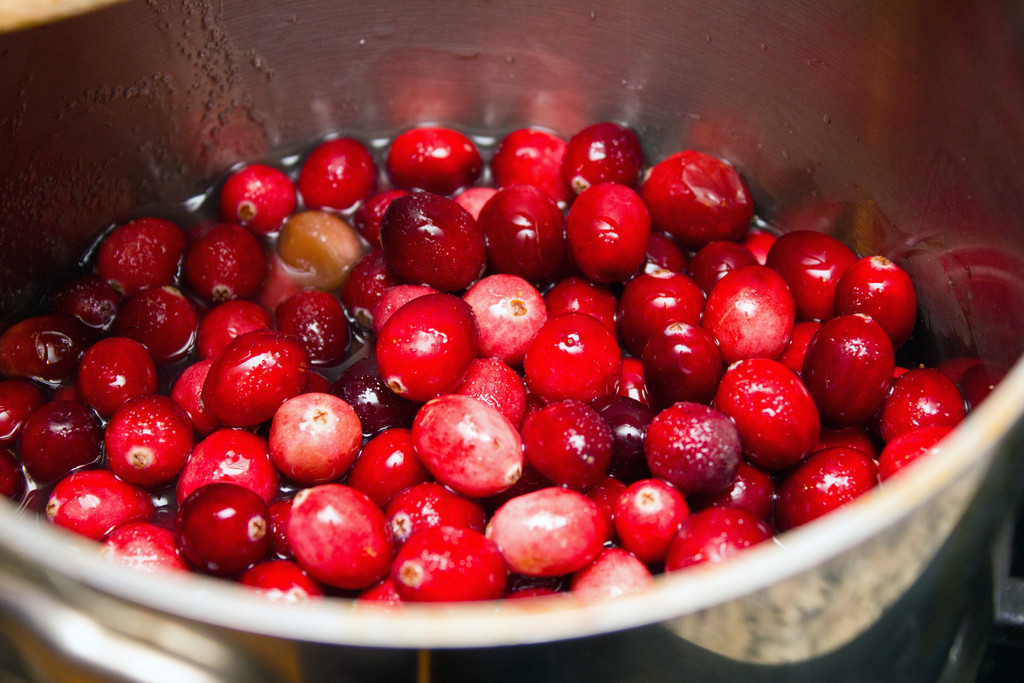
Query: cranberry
point(606, 494)
point(698, 199)
point(468, 445)
point(144, 547)
point(499, 386)
point(978, 381)
point(12, 476)
point(366, 285)
point(387, 465)
point(694, 447)
point(714, 260)
point(314, 438)
point(162, 320)
point(525, 233)
point(367, 217)
point(383, 594)
point(254, 375)
point(428, 504)
point(140, 254)
point(225, 321)
point(233, 456)
point(449, 564)
point(683, 363)
point(337, 174)
point(226, 262)
point(857, 438)
point(148, 440)
point(259, 197)
point(614, 572)
point(922, 397)
point(394, 298)
point(653, 300)
point(663, 254)
point(579, 295)
point(18, 399)
point(89, 298)
point(714, 535)
point(568, 443)
point(811, 263)
point(628, 419)
point(223, 528)
point(508, 311)
point(877, 287)
point(827, 480)
point(793, 355)
point(530, 156)
point(632, 383)
point(751, 313)
point(908, 447)
point(429, 239)
point(759, 242)
point(187, 392)
point(280, 510)
point(549, 532)
point(602, 153)
point(777, 419)
point(114, 370)
point(572, 356)
point(281, 581)
point(472, 199)
point(339, 536)
point(318, 319)
point(607, 230)
point(647, 518)
point(753, 490)
point(319, 248)
point(378, 408)
point(45, 347)
point(94, 502)
point(59, 437)
point(432, 158)
point(848, 368)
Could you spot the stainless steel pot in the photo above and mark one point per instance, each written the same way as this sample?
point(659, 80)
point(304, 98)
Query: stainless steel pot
point(895, 126)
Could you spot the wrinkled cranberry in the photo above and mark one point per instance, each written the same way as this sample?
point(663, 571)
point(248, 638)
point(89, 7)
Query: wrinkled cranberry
point(715, 535)
point(827, 480)
point(337, 174)
point(572, 356)
point(653, 300)
point(530, 156)
point(433, 158)
point(607, 231)
point(45, 347)
point(259, 197)
point(223, 529)
point(140, 254)
point(602, 153)
point(449, 564)
point(94, 502)
point(525, 233)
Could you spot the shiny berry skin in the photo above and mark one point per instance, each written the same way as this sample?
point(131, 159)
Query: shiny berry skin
point(714, 535)
point(857, 438)
point(140, 254)
point(319, 249)
point(607, 230)
point(777, 419)
point(314, 438)
point(89, 298)
point(281, 581)
point(525, 233)
point(18, 399)
point(431, 240)
point(143, 547)
point(147, 440)
point(848, 368)
point(759, 242)
point(572, 356)
point(394, 298)
point(580, 295)
point(472, 199)
point(45, 347)
point(426, 346)
point(682, 363)
point(606, 493)
point(429, 504)
point(698, 199)
point(336, 175)
point(751, 313)
point(632, 382)
point(752, 490)
point(664, 254)
point(613, 572)
point(366, 219)
point(232, 456)
point(921, 397)
point(59, 437)
point(651, 301)
point(508, 311)
point(253, 375)
point(468, 445)
point(225, 262)
point(827, 480)
point(909, 447)
point(386, 465)
point(569, 443)
point(449, 564)
point(94, 502)
point(227, 320)
point(161, 319)
point(693, 447)
point(877, 287)
point(647, 518)
point(318, 319)
point(433, 158)
point(628, 419)
point(339, 536)
point(259, 197)
point(366, 285)
point(602, 153)
point(793, 355)
point(712, 261)
point(549, 532)
point(223, 529)
point(187, 392)
point(530, 156)
point(114, 370)
point(382, 594)
point(378, 408)
point(12, 476)
point(811, 263)
point(496, 384)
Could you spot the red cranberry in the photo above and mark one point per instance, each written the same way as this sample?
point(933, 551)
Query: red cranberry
point(683, 363)
point(367, 217)
point(233, 456)
point(759, 242)
point(751, 314)
point(281, 581)
point(632, 383)
point(826, 481)
point(140, 254)
point(59, 437)
point(811, 263)
point(378, 408)
point(114, 370)
point(187, 392)
point(472, 199)
point(525, 233)
point(427, 505)
point(922, 397)
point(579, 295)
point(508, 311)
point(162, 320)
point(18, 399)
point(647, 518)
point(877, 287)
point(318, 319)
point(259, 197)
point(606, 494)
point(12, 476)
point(857, 438)
point(694, 447)
point(449, 564)
point(499, 386)
point(628, 419)
point(529, 156)
point(433, 158)
point(714, 535)
point(144, 547)
point(45, 347)
point(394, 298)
point(254, 375)
point(753, 490)
point(848, 368)
point(777, 418)
point(908, 447)
point(366, 286)
point(382, 594)
point(93, 503)
point(337, 174)
point(339, 536)
point(280, 510)
point(148, 440)
point(652, 301)
point(572, 356)
point(793, 355)
point(602, 153)
point(607, 230)
point(568, 443)
point(89, 298)
point(714, 260)
point(663, 254)
point(225, 321)
point(314, 438)
point(386, 465)
point(226, 262)
point(698, 199)
point(429, 239)
point(614, 572)
point(223, 529)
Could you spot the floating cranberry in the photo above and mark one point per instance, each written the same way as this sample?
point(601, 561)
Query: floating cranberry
point(714, 535)
point(259, 197)
point(827, 480)
point(320, 248)
point(318, 319)
point(613, 573)
point(223, 529)
point(45, 347)
point(162, 320)
point(386, 465)
point(89, 298)
point(530, 156)
point(337, 174)
point(653, 300)
point(12, 476)
point(751, 314)
point(525, 233)
point(94, 502)
point(233, 456)
point(281, 581)
point(18, 399)
point(496, 384)
point(361, 386)
point(114, 370)
point(367, 217)
point(877, 287)
point(432, 158)
point(811, 263)
point(602, 153)
point(922, 397)
point(683, 363)
point(714, 260)
point(628, 419)
point(366, 285)
point(647, 518)
point(694, 447)
point(226, 262)
point(449, 564)
point(579, 295)
point(59, 437)
point(607, 230)
point(909, 447)
point(753, 490)
point(225, 321)
point(568, 443)
point(314, 438)
point(187, 392)
point(144, 547)
point(572, 356)
point(508, 312)
point(148, 440)
point(140, 254)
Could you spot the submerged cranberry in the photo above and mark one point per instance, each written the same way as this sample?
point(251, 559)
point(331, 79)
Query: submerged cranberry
point(187, 392)
point(45, 347)
point(258, 196)
point(59, 437)
point(12, 476)
point(223, 529)
point(433, 158)
point(140, 254)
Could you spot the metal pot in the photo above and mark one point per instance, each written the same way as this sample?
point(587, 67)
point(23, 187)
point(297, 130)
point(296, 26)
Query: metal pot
point(895, 126)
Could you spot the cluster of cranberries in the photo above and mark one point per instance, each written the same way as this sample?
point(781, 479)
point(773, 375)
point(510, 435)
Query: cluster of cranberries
point(451, 379)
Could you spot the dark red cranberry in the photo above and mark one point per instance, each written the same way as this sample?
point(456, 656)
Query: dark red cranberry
point(664, 254)
point(386, 465)
point(114, 370)
point(857, 438)
point(508, 312)
point(281, 581)
point(811, 263)
point(977, 382)
point(449, 564)
point(877, 287)
point(572, 356)
point(908, 447)
point(694, 447)
point(753, 490)
point(607, 231)
point(525, 233)
point(682, 363)
point(226, 262)
point(429, 239)
point(314, 438)
point(279, 511)
point(365, 286)
point(751, 314)
point(922, 397)
point(531, 480)
point(12, 476)
point(614, 572)
point(698, 199)
point(628, 419)
point(187, 392)
point(647, 518)
point(89, 298)
point(652, 301)
point(378, 408)
point(223, 529)
point(59, 437)
point(827, 480)
point(793, 355)
point(714, 535)
point(147, 440)
point(433, 158)
point(259, 197)
point(602, 153)
point(162, 320)
point(318, 319)
point(394, 298)
point(140, 254)
point(94, 503)
point(579, 295)
point(428, 504)
point(712, 261)
point(529, 156)
point(144, 547)
point(337, 174)
point(499, 386)
point(18, 399)
point(232, 456)
point(369, 214)
point(45, 347)
point(632, 382)
point(225, 321)
point(568, 443)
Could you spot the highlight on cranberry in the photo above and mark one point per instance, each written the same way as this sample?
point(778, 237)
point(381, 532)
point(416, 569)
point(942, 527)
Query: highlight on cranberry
point(452, 369)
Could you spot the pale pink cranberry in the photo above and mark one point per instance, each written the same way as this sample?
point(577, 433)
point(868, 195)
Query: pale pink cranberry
point(827, 480)
point(472, 199)
point(223, 529)
point(714, 260)
point(226, 262)
point(909, 447)
point(752, 490)
point(339, 536)
point(59, 437)
point(529, 156)
point(759, 242)
point(922, 397)
point(694, 447)
point(392, 299)
point(606, 494)
point(45, 347)
point(664, 254)
point(253, 375)
point(366, 285)
point(361, 386)
point(579, 295)
point(386, 465)
point(143, 547)
point(448, 564)
point(877, 287)
point(187, 392)
point(337, 174)
point(281, 581)
point(793, 355)
point(698, 199)
point(811, 263)
point(433, 158)
point(140, 254)
point(525, 233)
point(18, 399)
point(114, 370)
point(94, 502)
point(225, 321)
point(429, 504)
point(382, 594)
point(572, 356)
point(613, 572)
point(632, 383)
point(715, 535)
point(89, 298)
point(628, 419)
point(647, 517)
point(259, 197)
point(549, 532)
point(366, 219)
point(751, 313)
point(683, 363)
point(496, 384)
point(12, 476)
point(232, 456)
point(605, 152)
point(777, 419)
point(161, 319)
point(314, 438)
point(318, 319)
point(147, 440)
point(509, 311)
point(569, 443)
point(848, 437)
point(468, 445)
point(607, 231)
point(651, 301)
